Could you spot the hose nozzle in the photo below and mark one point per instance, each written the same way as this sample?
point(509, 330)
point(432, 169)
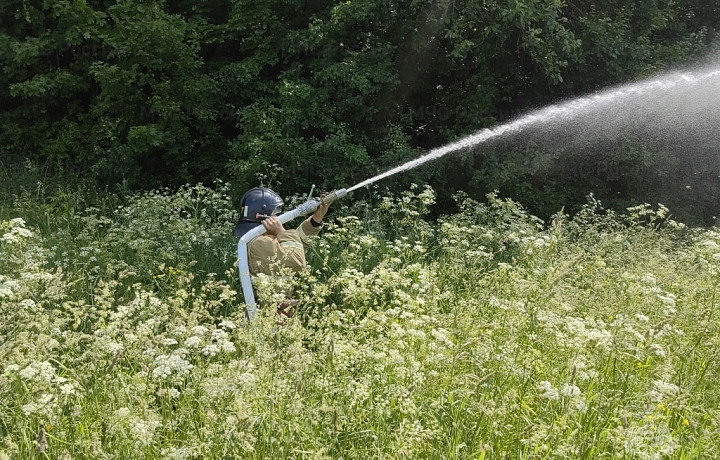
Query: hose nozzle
point(334, 195)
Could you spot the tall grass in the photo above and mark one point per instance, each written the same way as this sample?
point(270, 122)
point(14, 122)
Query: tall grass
point(485, 334)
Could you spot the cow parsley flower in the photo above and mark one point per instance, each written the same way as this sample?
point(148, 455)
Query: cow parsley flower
point(67, 389)
point(227, 324)
point(42, 371)
point(176, 453)
point(11, 368)
point(649, 279)
point(548, 391)
point(168, 366)
point(199, 330)
point(28, 304)
point(144, 430)
point(227, 346)
point(661, 391)
point(657, 350)
point(570, 391)
point(193, 342)
point(210, 350)
point(41, 407)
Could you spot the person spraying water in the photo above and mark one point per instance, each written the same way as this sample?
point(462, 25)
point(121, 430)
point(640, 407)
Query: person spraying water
point(266, 250)
point(670, 86)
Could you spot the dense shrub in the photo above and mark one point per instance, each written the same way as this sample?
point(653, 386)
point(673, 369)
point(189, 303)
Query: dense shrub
point(164, 93)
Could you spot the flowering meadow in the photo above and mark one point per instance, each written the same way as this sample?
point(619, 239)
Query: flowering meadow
point(485, 334)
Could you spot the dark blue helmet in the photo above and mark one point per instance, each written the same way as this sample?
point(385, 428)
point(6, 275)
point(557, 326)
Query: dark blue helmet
point(257, 204)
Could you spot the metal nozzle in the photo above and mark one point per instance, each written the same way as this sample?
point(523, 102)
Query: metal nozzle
point(334, 195)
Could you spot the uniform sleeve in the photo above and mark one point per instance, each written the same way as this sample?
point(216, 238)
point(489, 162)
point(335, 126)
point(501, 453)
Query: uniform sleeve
point(306, 231)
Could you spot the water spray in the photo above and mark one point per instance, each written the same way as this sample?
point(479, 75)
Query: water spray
point(562, 113)
point(243, 266)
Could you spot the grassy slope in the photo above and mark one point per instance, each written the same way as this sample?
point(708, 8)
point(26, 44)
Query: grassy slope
point(486, 334)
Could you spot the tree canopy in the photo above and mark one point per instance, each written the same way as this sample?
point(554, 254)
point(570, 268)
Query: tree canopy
point(310, 91)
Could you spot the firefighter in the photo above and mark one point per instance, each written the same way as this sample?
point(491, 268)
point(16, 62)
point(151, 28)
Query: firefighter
point(274, 256)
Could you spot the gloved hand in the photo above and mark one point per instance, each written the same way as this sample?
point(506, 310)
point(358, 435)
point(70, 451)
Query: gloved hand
point(320, 212)
point(273, 226)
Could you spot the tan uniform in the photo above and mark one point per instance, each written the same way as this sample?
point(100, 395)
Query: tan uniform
point(280, 256)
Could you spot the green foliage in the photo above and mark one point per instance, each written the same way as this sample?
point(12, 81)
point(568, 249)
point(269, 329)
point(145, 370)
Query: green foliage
point(164, 93)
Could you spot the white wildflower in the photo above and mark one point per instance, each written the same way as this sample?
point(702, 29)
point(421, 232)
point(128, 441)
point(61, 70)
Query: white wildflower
point(548, 391)
point(43, 371)
point(176, 453)
point(199, 330)
point(179, 331)
point(173, 365)
point(648, 441)
point(570, 391)
point(144, 430)
point(34, 276)
point(23, 232)
point(11, 368)
point(67, 389)
point(227, 324)
point(668, 299)
point(441, 335)
point(149, 352)
point(193, 342)
point(578, 404)
point(662, 391)
point(210, 350)
point(111, 346)
point(226, 346)
point(218, 335)
point(8, 288)
point(657, 350)
point(710, 244)
point(9, 238)
point(28, 304)
point(649, 279)
point(420, 335)
point(582, 373)
point(41, 406)
point(601, 337)
point(129, 337)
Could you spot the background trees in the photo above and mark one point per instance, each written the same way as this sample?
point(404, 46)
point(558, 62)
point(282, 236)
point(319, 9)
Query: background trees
point(161, 93)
